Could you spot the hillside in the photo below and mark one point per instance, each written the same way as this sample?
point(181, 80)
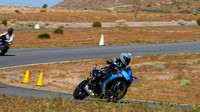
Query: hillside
point(183, 6)
point(76, 4)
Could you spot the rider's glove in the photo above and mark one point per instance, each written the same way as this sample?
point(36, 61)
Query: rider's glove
point(8, 42)
point(110, 62)
point(103, 70)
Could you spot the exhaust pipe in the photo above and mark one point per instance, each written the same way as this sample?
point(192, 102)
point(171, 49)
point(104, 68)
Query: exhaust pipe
point(88, 91)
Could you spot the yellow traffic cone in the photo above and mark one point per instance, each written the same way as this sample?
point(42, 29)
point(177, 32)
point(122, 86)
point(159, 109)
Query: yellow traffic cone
point(101, 42)
point(26, 77)
point(40, 80)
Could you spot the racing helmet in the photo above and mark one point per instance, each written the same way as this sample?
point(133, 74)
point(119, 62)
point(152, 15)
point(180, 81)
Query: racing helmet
point(125, 58)
point(10, 31)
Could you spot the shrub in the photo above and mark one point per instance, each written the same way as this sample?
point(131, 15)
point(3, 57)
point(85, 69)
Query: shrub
point(127, 29)
point(96, 24)
point(187, 76)
point(61, 27)
point(198, 61)
point(148, 79)
point(31, 24)
point(185, 82)
point(58, 31)
point(13, 20)
point(42, 26)
point(4, 22)
point(149, 5)
point(43, 11)
point(35, 31)
point(194, 67)
point(189, 63)
point(121, 23)
point(17, 25)
point(17, 11)
point(195, 109)
point(44, 36)
point(158, 67)
point(45, 6)
point(198, 21)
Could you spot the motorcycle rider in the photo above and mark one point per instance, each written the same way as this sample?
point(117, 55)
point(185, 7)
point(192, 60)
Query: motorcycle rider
point(115, 66)
point(9, 36)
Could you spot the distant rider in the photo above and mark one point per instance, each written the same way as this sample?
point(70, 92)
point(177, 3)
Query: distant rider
point(9, 36)
point(115, 66)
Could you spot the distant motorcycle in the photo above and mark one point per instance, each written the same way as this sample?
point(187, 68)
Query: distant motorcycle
point(4, 46)
point(111, 87)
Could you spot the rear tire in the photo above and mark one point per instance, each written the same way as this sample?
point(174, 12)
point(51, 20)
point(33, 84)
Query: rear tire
point(116, 91)
point(79, 92)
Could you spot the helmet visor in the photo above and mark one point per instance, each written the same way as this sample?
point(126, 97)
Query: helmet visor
point(127, 60)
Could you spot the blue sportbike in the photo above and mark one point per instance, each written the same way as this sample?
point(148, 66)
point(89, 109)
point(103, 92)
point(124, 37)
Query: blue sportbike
point(112, 87)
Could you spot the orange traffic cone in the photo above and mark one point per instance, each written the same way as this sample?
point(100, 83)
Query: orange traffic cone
point(40, 80)
point(26, 77)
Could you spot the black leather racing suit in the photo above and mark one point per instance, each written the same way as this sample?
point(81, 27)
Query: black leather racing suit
point(115, 66)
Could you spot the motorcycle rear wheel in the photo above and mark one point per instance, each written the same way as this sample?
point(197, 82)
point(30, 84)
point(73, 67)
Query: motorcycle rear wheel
point(79, 92)
point(116, 91)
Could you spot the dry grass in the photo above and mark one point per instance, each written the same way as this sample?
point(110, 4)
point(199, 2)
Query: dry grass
point(56, 76)
point(91, 37)
point(57, 104)
point(80, 16)
point(155, 84)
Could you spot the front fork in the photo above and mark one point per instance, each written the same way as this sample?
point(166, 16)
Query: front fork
point(86, 88)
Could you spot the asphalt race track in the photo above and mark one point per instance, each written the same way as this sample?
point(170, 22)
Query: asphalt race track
point(16, 57)
point(21, 57)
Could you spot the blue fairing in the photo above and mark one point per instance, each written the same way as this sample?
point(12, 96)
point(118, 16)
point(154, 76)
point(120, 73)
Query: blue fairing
point(127, 75)
point(113, 77)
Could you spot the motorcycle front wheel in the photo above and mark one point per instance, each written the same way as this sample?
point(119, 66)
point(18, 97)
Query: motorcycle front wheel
point(116, 91)
point(79, 92)
point(3, 51)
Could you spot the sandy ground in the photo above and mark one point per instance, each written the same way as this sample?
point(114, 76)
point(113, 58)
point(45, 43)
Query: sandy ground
point(31, 16)
point(104, 24)
point(172, 78)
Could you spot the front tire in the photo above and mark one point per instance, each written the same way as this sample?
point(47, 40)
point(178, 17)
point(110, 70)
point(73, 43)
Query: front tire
point(116, 91)
point(4, 51)
point(79, 92)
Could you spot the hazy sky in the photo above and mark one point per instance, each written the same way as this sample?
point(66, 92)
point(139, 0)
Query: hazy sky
point(30, 3)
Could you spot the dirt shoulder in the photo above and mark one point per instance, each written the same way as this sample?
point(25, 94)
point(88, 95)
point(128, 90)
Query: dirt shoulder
point(163, 78)
point(91, 37)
